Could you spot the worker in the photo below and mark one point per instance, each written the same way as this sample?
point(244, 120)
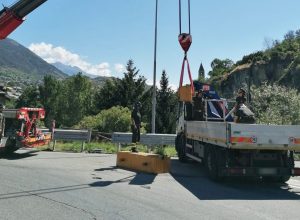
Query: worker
point(242, 113)
point(198, 107)
point(136, 124)
point(241, 98)
point(1, 119)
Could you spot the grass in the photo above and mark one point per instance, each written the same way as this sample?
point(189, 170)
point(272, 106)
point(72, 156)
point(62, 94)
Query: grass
point(109, 148)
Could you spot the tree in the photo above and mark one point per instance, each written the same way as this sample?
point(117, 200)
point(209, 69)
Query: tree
point(219, 67)
point(29, 98)
point(146, 109)
point(166, 107)
point(76, 99)
point(108, 95)
point(290, 35)
point(132, 86)
point(274, 104)
point(51, 92)
point(124, 92)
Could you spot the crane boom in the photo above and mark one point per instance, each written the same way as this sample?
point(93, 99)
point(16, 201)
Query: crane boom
point(13, 16)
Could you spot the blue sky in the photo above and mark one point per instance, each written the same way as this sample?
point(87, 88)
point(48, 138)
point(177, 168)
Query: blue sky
point(101, 35)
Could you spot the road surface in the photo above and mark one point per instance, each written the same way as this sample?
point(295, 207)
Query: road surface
point(47, 185)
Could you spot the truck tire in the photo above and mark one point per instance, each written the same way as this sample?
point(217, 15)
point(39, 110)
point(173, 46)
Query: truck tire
point(10, 150)
point(212, 163)
point(283, 179)
point(11, 146)
point(276, 179)
point(181, 145)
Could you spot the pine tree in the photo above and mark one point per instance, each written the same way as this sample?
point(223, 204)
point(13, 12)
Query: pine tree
point(123, 92)
point(166, 107)
point(132, 86)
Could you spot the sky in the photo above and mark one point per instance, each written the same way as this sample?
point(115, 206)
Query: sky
point(100, 36)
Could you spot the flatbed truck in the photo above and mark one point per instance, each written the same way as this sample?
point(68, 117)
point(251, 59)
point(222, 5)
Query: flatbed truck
point(233, 149)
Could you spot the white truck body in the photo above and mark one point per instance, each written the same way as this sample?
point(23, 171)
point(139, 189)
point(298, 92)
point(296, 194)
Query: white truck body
point(236, 149)
point(245, 136)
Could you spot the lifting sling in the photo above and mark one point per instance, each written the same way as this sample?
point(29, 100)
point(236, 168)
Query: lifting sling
point(185, 40)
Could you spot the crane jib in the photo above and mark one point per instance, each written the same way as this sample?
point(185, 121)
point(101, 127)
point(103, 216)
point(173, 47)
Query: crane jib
point(12, 17)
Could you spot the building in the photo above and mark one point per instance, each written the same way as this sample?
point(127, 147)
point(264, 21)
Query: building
point(201, 73)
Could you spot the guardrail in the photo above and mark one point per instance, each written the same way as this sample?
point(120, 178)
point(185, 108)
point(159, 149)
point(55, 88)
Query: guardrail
point(146, 139)
point(71, 135)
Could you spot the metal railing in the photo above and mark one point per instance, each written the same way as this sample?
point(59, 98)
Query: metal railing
point(224, 105)
point(71, 135)
point(146, 139)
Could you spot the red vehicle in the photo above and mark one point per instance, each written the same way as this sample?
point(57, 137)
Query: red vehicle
point(19, 129)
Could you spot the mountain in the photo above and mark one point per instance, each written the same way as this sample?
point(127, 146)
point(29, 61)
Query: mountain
point(21, 67)
point(71, 70)
point(97, 81)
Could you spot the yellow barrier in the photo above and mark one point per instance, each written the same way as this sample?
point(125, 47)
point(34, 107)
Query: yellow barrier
point(185, 93)
point(149, 163)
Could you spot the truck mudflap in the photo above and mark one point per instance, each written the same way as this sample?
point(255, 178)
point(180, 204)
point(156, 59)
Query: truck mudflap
point(255, 171)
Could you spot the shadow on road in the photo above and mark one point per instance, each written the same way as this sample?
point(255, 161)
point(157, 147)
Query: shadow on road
point(17, 156)
point(192, 176)
point(139, 179)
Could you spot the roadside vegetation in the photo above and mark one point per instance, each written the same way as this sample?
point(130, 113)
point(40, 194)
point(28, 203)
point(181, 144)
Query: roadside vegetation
point(274, 104)
point(109, 148)
point(75, 103)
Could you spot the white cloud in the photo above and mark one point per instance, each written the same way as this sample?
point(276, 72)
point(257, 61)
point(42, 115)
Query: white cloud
point(52, 54)
point(120, 68)
point(173, 87)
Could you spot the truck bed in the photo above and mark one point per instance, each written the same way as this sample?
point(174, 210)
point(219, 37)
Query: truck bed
point(245, 136)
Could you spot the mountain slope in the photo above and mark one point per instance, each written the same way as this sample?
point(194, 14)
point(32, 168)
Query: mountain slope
point(279, 64)
point(19, 63)
point(71, 70)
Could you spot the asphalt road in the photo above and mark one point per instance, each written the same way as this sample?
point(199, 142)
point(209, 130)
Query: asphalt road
point(46, 185)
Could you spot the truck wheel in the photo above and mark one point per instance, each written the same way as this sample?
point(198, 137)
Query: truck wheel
point(212, 163)
point(278, 179)
point(181, 148)
point(283, 179)
point(11, 146)
point(10, 150)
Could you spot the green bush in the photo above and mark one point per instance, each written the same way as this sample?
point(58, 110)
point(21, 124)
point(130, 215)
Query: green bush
point(115, 119)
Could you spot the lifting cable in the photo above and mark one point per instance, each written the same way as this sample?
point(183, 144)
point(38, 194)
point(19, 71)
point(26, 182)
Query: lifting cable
point(185, 40)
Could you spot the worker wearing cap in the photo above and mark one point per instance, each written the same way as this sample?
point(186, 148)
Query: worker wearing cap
point(136, 124)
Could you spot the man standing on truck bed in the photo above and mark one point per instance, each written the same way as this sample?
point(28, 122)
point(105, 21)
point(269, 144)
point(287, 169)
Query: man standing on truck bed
point(198, 107)
point(242, 113)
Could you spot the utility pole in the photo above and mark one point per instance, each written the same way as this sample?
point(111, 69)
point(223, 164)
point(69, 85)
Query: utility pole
point(154, 73)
